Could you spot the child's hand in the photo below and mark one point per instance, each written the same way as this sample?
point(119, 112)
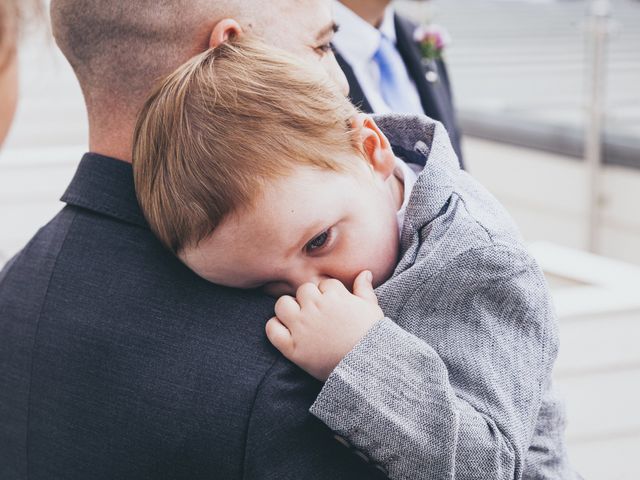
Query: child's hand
point(323, 323)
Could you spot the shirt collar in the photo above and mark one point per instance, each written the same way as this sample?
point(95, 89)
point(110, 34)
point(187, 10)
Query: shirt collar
point(357, 41)
point(105, 185)
point(408, 177)
point(388, 25)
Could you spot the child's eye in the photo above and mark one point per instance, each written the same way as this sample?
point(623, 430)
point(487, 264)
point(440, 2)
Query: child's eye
point(325, 48)
point(318, 242)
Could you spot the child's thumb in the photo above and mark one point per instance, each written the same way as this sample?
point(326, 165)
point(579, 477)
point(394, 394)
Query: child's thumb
point(363, 287)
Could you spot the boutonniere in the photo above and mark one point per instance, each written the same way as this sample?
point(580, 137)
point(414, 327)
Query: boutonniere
point(432, 40)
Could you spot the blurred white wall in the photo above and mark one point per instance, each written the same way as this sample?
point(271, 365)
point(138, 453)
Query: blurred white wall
point(547, 195)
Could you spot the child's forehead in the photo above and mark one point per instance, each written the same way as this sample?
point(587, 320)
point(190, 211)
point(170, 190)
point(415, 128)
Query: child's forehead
point(308, 186)
point(304, 199)
point(300, 178)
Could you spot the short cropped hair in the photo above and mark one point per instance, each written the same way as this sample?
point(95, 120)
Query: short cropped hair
point(226, 123)
point(119, 49)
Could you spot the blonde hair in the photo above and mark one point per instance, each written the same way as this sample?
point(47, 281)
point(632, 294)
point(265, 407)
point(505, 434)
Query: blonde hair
point(225, 123)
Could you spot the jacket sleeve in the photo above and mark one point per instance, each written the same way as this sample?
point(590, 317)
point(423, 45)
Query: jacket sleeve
point(458, 397)
point(285, 442)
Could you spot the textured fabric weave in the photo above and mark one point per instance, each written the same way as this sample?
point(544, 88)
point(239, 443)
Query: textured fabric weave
point(455, 382)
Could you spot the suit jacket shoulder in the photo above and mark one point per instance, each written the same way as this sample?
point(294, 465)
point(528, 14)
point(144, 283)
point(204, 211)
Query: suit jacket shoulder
point(119, 362)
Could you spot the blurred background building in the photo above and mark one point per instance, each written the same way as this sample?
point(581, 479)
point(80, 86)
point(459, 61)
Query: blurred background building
point(522, 80)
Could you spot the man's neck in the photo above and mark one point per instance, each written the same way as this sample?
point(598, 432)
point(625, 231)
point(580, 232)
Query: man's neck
point(112, 139)
point(371, 11)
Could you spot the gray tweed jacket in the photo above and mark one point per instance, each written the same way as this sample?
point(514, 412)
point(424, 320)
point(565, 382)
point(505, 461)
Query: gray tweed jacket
point(456, 382)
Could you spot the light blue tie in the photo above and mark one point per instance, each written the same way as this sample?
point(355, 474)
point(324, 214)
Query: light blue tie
point(393, 77)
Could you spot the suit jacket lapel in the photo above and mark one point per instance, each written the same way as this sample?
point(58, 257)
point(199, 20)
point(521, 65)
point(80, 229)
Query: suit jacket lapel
point(431, 103)
point(435, 97)
point(356, 95)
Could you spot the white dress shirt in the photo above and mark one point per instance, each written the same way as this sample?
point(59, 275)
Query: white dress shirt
point(357, 41)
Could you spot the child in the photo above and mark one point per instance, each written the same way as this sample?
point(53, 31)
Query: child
point(258, 173)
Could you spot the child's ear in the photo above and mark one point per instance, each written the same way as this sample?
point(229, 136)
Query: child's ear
point(374, 145)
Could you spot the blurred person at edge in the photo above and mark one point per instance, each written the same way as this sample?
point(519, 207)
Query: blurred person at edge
point(381, 57)
point(9, 20)
point(116, 361)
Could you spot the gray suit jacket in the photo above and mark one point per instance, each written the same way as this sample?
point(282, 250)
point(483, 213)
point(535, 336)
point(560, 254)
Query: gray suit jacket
point(456, 381)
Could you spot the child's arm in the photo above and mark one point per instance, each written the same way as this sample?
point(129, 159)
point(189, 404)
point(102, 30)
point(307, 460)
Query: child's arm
point(462, 400)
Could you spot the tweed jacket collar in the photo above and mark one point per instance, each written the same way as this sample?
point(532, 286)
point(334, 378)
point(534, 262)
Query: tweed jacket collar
point(419, 139)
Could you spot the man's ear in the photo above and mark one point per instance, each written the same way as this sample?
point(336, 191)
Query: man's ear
point(374, 145)
point(223, 31)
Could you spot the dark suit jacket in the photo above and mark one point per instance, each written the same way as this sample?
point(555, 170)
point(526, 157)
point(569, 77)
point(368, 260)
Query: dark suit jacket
point(117, 362)
point(436, 98)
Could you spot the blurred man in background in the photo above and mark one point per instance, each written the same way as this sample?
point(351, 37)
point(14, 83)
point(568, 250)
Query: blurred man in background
point(117, 362)
point(386, 69)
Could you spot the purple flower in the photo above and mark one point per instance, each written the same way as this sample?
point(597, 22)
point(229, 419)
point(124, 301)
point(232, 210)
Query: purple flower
point(432, 39)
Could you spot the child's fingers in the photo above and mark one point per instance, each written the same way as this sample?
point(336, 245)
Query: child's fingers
point(306, 294)
point(329, 284)
point(279, 336)
point(286, 309)
point(363, 288)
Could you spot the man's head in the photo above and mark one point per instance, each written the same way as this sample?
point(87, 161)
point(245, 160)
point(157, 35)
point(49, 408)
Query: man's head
point(120, 49)
point(256, 170)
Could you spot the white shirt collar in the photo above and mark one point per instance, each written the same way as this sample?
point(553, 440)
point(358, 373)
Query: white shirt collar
point(388, 25)
point(358, 40)
point(408, 175)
